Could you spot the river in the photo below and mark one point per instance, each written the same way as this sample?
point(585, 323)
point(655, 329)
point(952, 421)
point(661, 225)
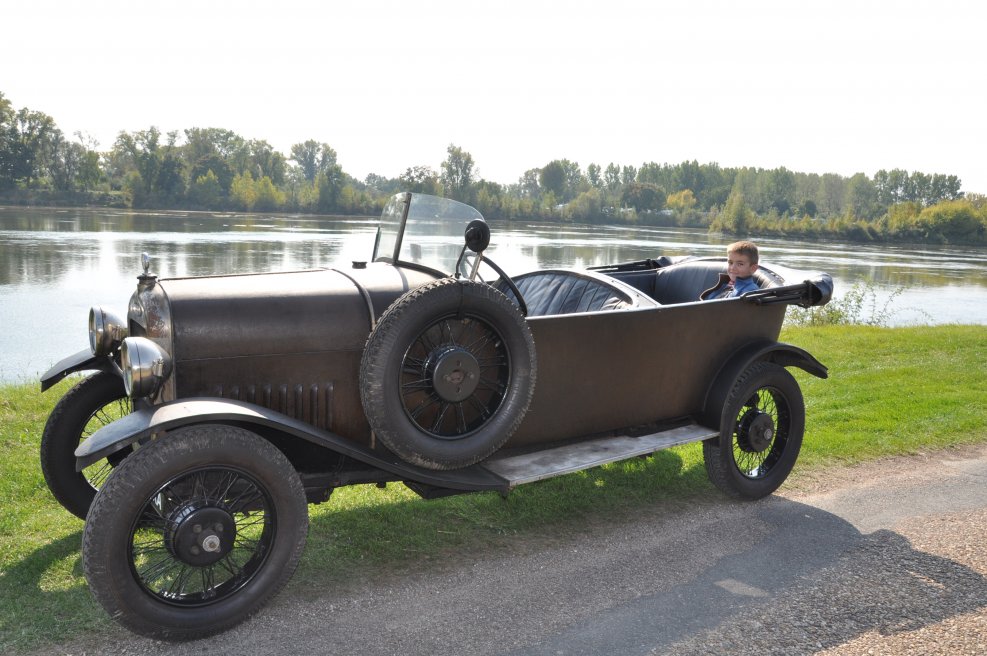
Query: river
point(56, 263)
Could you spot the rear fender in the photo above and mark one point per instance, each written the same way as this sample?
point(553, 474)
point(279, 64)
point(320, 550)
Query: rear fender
point(156, 421)
point(779, 353)
point(81, 361)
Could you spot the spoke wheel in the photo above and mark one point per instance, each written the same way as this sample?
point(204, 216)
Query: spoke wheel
point(761, 433)
point(454, 376)
point(202, 536)
point(448, 374)
point(194, 532)
point(92, 403)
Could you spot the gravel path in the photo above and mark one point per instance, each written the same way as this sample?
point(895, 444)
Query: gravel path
point(914, 584)
point(886, 558)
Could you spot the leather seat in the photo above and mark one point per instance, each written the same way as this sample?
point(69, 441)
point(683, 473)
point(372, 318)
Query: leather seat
point(685, 281)
point(560, 291)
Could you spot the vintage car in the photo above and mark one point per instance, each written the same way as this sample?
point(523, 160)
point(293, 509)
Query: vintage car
point(223, 405)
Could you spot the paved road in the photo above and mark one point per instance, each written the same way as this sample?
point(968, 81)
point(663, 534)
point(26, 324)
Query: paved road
point(890, 557)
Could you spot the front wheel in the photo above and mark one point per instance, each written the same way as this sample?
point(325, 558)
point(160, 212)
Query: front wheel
point(760, 433)
point(194, 532)
point(91, 404)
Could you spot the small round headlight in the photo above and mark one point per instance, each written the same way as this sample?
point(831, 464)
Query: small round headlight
point(106, 331)
point(145, 366)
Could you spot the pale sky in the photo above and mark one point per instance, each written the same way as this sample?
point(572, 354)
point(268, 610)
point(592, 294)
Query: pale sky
point(815, 86)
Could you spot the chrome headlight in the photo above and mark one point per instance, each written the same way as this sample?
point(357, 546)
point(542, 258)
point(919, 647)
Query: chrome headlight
point(145, 366)
point(106, 331)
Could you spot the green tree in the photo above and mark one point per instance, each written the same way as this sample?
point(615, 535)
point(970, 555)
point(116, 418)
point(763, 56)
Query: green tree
point(90, 172)
point(268, 197)
point(421, 179)
point(314, 158)
point(381, 185)
point(528, 185)
point(170, 182)
point(779, 189)
point(587, 206)
point(735, 217)
point(808, 208)
point(689, 175)
point(64, 166)
point(717, 184)
point(832, 192)
point(458, 174)
point(220, 168)
point(611, 177)
point(944, 187)
point(31, 141)
point(490, 200)
point(861, 197)
point(642, 197)
point(552, 178)
point(955, 222)
point(329, 183)
point(143, 148)
point(206, 192)
point(265, 161)
point(243, 193)
point(8, 154)
point(594, 174)
point(219, 142)
point(681, 200)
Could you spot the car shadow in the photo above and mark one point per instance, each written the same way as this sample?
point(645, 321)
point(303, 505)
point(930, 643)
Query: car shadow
point(733, 574)
point(811, 581)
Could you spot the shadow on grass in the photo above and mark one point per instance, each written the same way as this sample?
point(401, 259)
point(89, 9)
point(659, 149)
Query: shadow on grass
point(394, 530)
point(36, 610)
point(363, 533)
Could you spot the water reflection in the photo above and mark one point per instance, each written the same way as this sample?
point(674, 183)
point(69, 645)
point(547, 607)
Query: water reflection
point(55, 264)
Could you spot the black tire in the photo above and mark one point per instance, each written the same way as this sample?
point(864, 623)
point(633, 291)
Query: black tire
point(760, 433)
point(91, 404)
point(194, 532)
point(448, 374)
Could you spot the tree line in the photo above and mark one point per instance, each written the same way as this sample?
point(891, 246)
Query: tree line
point(217, 169)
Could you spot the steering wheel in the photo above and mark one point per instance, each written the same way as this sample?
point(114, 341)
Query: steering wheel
point(477, 239)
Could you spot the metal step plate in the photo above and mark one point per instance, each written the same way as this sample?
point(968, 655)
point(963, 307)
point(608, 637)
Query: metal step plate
point(540, 465)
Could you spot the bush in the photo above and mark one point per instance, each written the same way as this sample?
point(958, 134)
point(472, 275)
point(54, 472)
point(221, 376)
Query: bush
point(859, 307)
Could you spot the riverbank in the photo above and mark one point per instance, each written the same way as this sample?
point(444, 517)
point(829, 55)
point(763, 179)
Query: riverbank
point(890, 392)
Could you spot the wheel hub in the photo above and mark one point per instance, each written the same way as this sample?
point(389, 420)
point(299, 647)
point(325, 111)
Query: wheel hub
point(454, 373)
point(200, 536)
point(755, 431)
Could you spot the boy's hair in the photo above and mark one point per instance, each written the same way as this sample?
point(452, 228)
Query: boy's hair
point(747, 248)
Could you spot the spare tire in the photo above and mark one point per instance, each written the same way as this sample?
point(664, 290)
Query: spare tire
point(448, 373)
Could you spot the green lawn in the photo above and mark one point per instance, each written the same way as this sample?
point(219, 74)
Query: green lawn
point(890, 392)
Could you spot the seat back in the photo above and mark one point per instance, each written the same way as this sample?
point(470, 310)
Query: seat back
point(560, 291)
point(685, 281)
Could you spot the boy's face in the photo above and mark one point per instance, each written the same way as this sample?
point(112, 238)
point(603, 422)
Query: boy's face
point(739, 266)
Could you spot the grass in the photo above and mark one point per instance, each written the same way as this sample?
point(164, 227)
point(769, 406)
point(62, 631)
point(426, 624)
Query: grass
point(890, 392)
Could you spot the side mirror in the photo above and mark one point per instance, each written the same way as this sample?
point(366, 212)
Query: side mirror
point(477, 235)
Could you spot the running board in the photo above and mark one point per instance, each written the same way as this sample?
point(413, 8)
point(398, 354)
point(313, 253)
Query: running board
point(539, 465)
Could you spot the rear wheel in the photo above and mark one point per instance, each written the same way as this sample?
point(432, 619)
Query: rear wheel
point(761, 432)
point(91, 404)
point(448, 373)
point(194, 532)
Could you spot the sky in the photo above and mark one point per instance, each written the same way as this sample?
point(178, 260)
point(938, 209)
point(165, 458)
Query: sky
point(830, 86)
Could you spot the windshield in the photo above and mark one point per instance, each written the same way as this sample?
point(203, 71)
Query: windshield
point(422, 229)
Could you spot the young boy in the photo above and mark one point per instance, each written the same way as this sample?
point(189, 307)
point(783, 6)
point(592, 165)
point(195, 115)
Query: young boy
point(741, 265)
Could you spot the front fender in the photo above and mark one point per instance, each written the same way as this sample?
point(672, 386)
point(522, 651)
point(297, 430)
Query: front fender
point(779, 353)
point(81, 361)
point(149, 421)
